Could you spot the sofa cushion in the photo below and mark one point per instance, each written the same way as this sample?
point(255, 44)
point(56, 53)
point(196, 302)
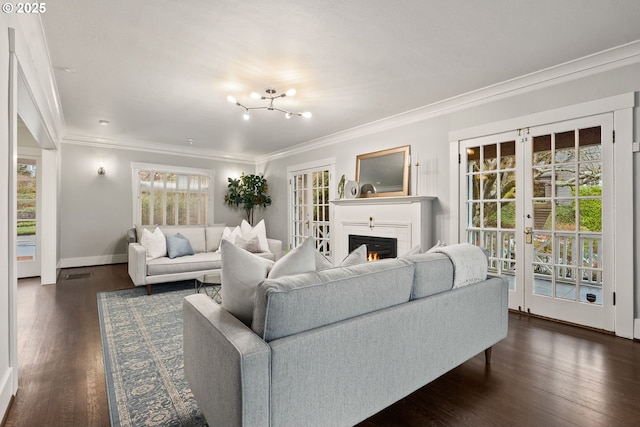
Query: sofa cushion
point(433, 274)
point(197, 262)
point(241, 273)
point(194, 233)
point(154, 243)
point(213, 235)
point(178, 246)
point(293, 304)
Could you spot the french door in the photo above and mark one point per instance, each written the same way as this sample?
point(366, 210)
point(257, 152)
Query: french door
point(27, 217)
point(540, 201)
point(310, 192)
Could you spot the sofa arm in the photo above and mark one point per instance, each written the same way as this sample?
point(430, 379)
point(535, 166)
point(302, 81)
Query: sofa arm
point(275, 246)
point(137, 257)
point(132, 236)
point(226, 365)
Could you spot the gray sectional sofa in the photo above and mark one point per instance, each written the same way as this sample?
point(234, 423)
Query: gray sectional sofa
point(206, 260)
point(332, 348)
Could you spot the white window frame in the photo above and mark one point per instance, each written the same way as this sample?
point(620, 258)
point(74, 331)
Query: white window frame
point(136, 167)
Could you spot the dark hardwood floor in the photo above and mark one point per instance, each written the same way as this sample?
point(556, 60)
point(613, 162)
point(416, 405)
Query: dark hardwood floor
point(543, 374)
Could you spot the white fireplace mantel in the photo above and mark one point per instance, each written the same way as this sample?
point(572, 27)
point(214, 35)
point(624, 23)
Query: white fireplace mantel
point(400, 200)
point(406, 218)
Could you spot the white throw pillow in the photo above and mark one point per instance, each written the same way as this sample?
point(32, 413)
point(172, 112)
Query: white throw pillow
point(415, 251)
point(241, 273)
point(230, 234)
point(357, 256)
point(322, 262)
point(154, 243)
point(299, 260)
point(259, 230)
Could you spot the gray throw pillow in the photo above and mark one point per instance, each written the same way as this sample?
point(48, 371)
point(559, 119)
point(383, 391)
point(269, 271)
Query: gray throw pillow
point(178, 246)
point(251, 244)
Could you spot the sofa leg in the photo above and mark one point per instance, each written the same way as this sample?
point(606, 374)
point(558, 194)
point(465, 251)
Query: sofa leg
point(148, 289)
point(487, 356)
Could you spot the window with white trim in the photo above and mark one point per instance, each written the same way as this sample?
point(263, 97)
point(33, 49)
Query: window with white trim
point(169, 195)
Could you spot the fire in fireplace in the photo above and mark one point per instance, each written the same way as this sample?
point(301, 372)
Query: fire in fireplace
point(377, 247)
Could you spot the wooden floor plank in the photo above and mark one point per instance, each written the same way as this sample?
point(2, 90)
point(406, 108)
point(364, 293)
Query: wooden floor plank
point(543, 374)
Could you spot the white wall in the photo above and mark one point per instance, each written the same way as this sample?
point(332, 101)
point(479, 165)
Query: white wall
point(6, 369)
point(429, 138)
point(33, 62)
point(96, 211)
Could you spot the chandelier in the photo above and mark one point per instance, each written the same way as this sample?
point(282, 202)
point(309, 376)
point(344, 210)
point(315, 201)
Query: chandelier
point(270, 97)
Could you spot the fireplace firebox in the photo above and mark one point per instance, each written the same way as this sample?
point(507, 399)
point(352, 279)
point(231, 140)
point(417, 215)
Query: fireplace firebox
point(377, 247)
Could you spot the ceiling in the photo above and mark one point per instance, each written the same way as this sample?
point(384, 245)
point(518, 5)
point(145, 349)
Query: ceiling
point(160, 71)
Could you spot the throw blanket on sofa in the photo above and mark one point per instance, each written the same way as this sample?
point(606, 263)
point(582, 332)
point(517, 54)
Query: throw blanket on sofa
point(469, 263)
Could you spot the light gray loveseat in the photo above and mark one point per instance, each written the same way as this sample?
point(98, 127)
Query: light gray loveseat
point(332, 348)
point(206, 260)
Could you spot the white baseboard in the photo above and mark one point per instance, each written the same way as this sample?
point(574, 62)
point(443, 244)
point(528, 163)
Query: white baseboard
point(6, 390)
point(92, 260)
point(636, 329)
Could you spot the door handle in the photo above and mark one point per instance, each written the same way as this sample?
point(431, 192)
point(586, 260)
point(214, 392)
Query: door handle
point(528, 235)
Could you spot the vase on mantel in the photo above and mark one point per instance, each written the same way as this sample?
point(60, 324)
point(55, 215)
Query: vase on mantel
point(415, 179)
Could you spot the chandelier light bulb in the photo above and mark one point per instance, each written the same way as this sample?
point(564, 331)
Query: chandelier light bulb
point(270, 97)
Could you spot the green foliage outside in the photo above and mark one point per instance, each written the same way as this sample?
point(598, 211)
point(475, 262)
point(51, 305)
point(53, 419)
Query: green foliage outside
point(26, 228)
point(26, 194)
point(248, 192)
point(590, 210)
point(590, 213)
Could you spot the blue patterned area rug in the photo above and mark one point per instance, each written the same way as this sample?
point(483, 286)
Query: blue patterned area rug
point(143, 362)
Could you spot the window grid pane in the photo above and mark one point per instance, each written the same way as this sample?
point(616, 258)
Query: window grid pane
point(167, 198)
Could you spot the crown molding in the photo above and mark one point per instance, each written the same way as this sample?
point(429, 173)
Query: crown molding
point(599, 62)
point(156, 148)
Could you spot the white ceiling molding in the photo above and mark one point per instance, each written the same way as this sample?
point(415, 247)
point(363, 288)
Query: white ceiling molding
point(609, 59)
point(37, 72)
point(156, 148)
point(583, 109)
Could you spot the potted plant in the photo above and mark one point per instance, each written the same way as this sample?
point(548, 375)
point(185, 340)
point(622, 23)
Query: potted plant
point(247, 192)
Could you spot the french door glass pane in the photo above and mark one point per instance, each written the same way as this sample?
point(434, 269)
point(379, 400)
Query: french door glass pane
point(26, 210)
point(567, 205)
point(491, 192)
point(310, 209)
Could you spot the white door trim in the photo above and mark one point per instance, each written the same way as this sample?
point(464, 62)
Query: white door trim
point(622, 108)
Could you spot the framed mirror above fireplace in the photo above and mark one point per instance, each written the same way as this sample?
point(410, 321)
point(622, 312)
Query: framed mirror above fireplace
point(384, 173)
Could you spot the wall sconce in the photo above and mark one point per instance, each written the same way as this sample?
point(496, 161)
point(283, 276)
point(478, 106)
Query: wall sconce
point(102, 170)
